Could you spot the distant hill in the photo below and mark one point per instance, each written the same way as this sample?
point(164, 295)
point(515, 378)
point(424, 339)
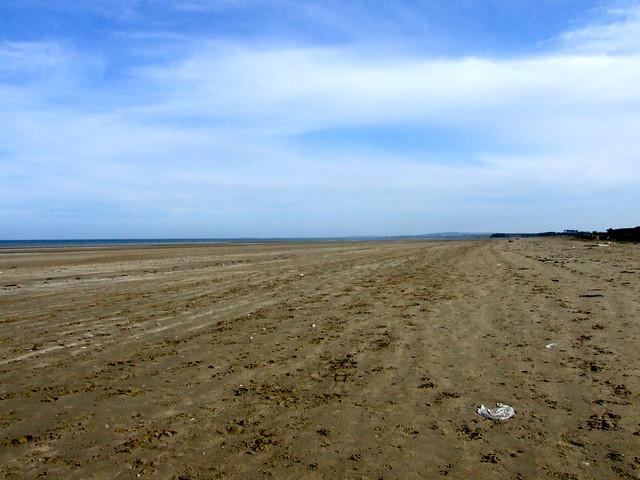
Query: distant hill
point(445, 235)
point(566, 233)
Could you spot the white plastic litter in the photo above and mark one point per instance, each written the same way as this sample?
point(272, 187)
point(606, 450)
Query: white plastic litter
point(501, 412)
point(551, 345)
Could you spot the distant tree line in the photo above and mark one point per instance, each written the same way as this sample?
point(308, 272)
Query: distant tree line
point(615, 234)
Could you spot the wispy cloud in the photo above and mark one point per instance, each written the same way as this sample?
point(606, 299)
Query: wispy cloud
point(618, 36)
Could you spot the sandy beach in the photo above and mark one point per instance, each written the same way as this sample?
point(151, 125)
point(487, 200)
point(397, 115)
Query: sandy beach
point(362, 360)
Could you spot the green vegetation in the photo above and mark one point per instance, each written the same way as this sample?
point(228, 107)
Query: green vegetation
point(616, 234)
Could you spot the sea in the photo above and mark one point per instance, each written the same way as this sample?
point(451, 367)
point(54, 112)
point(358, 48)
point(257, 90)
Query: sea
point(114, 242)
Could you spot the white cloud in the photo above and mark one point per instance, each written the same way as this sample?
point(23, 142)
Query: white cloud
point(323, 88)
point(558, 104)
point(618, 36)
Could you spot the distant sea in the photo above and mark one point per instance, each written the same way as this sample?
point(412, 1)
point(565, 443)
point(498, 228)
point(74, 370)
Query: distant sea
point(187, 241)
point(115, 242)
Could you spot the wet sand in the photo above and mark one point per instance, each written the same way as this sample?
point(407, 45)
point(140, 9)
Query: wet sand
point(334, 360)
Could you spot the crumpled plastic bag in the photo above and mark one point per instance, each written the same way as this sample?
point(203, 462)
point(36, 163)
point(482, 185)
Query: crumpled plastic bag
point(501, 412)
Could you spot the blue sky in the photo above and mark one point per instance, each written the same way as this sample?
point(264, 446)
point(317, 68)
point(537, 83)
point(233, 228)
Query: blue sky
point(263, 118)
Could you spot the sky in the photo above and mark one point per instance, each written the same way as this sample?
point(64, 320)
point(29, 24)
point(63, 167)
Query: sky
point(309, 118)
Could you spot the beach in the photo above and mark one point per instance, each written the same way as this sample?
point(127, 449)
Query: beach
point(362, 360)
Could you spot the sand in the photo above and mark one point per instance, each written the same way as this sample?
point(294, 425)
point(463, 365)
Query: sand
point(325, 360)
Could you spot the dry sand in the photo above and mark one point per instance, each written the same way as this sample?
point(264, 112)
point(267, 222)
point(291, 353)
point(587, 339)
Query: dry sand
point(334, 360)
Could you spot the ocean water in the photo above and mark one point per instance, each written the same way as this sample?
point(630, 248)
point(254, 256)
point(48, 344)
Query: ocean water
point(125, 242)
point(187, 241)
point(162, 241)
